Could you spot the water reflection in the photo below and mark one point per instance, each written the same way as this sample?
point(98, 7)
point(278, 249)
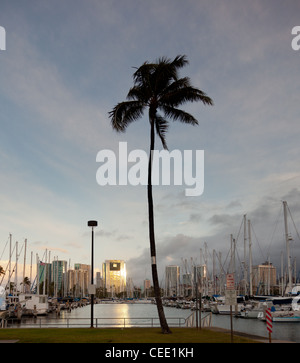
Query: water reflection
point(128, 315)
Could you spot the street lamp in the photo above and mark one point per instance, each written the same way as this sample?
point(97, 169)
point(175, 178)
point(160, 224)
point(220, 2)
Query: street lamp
point(92, 224)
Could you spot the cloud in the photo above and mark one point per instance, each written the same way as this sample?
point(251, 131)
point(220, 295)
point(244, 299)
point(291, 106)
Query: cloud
point(67, 64)
point(223, 219)
point(268, 238)
point(195, 217)
point(42, 91)
point(113, 235)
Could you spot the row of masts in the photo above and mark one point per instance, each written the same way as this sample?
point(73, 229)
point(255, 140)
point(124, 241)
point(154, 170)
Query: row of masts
point(13, 274)
point(247, 235)
point(247, 277)
point(209, 285)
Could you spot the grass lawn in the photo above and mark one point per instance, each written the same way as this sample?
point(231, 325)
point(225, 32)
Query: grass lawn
point(128, 335)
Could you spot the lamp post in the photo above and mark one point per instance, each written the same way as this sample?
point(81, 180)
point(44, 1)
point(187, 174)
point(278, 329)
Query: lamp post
point(92, 224)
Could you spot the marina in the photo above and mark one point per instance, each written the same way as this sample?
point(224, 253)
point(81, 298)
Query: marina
point(116, 314)
point(60, 297)
point(150, 168)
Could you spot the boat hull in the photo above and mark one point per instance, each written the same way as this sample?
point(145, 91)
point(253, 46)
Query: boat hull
point(286, 319)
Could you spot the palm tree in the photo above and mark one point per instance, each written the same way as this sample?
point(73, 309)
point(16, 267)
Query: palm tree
point(26, 283)
point(2, 272)
point(157, 87)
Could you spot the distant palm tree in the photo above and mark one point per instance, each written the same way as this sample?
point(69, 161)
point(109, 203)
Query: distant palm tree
point(26, 283)
point(11, 287)
point(157, 86)
point(2, 272)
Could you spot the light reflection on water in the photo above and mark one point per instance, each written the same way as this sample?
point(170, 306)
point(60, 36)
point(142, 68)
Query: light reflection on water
point(119, 312)
point(110, 315)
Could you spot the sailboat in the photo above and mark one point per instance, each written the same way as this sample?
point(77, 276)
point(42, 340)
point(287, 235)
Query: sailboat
point(292, 315)
point(3, 311)
point(2, 299)
point(34, 304)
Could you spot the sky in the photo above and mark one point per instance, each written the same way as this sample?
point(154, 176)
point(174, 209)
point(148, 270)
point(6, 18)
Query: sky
point(68, 63)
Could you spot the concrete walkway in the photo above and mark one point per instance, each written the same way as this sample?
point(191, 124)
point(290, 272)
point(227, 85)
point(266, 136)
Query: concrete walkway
point(250, 336)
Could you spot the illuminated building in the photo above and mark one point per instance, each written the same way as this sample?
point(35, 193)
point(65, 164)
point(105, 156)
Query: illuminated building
point(114, 276)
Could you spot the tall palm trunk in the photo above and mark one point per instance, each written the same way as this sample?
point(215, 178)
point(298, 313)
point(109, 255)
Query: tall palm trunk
point(160, 309)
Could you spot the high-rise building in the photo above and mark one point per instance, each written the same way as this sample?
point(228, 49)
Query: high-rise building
point(79, 279)
point(114, 276)
point(200, 278)
point(200, 272)
point(83, 267)
point(129, 287)
point(99, 280)
point(186, 284)
point(59, 277)
point(172, 280)
point(264, 277)
point(43, 277)
point(147, 287)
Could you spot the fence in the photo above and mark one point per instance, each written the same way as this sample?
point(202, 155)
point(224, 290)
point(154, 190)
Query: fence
point(191, 321)
point(85, 322)
point(45, 322)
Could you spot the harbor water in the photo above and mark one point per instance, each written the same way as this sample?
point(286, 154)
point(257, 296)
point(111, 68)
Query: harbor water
point(139, 314)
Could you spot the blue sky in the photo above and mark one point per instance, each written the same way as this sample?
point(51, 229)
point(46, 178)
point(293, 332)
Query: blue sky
point(66, 65)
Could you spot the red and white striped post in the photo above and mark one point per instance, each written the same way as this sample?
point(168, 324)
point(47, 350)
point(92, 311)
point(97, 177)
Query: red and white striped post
point(269, 322)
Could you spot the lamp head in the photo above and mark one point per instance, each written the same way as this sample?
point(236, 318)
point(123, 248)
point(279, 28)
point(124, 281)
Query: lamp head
point(92, 223)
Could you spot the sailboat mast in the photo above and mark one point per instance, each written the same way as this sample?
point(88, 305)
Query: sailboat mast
point(287, 246)
point(16, 270)
point(214, 273)
point(24, 266)
point(282, 279)
point(45, 273)
point(245, 253)
point(49, 278)
point(31, 256)
point(250, 258)
point(9, 263)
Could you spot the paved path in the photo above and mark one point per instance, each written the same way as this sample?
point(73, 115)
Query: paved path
point(254, 337)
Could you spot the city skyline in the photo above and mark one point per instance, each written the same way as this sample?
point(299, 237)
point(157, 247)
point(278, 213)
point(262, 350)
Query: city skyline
point(176, 280)
point(67, 64)
point(203, 257)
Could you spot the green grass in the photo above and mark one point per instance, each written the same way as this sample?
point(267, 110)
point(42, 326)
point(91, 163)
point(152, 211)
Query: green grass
point(128, 335)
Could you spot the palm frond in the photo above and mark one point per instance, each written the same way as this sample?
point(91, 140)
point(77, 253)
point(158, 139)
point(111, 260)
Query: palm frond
point(179, 95)
point(161, 126)
point(159, 75)
point(124, 113)
point(178, 62)
point(139, 94)
point(158, 86)
point(178, 84)
point(179, 115)
point(142, 75)
point(166, 72)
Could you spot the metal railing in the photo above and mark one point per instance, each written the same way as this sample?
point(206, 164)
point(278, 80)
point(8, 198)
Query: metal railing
point(97, 322)
point(191, 322)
